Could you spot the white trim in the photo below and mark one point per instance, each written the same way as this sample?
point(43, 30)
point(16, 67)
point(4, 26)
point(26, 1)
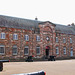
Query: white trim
point(26, 37)
point(12, 50)
point(15, 36)
point(64, 40)
point(71, 51)
point(57, 50)
point(3, 35)
point(38, 38)
point(70, 40)
point(28, 50)
point(56, 39)
point(4, 49)
point(64, 50)
point(39, 50)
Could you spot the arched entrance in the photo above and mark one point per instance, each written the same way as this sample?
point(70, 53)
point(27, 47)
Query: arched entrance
point(47, 51)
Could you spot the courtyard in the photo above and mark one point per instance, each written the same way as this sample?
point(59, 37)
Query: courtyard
point(60, 67)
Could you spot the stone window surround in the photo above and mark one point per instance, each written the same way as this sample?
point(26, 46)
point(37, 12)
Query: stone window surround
point(16, 51)
point(26, 37)
point(4, 49)
point(38, 47)
point(2, 35)
point(38, 38)
point(24, 50)
point(15, 36)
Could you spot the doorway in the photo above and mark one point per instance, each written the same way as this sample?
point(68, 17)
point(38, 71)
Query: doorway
point(47, 51)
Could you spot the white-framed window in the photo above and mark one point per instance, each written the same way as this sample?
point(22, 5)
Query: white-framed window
point(64, 50)
point(26, 50)
point(2, 49)
point(14, 50)
point(70, 40)
point(2, 35)
point(15, 36)
point(26, 38)
point(38, 50)
point(57, 50)
point(56, 39)
point(71, 52)
point(64, 40)
point(38, 38)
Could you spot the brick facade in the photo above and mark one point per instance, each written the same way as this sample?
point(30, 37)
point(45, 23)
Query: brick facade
point(47, 34)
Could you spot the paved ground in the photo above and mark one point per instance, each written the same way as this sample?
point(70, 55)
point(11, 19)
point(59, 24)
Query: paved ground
point(64, 67)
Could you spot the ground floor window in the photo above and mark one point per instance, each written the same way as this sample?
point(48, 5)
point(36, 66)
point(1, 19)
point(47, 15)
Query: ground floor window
point(14, 50)
point(26, 50)
point(37, 50)
point(57, 50)
point(64, 50)
point(71, 52)
point(2, 49)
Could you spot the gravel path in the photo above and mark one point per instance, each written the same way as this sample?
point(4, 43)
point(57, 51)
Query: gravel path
point(64, 67)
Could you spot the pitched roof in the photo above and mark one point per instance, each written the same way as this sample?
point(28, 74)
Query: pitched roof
point(65, 29)
point(13, 22)
point(20, 23)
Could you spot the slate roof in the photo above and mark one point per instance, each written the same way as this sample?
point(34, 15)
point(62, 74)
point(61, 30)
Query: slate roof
point(65, 29)
point(20, 23)
point(13, 22)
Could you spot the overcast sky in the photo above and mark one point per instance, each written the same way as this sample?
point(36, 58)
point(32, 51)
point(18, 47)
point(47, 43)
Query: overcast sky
point(56, 11)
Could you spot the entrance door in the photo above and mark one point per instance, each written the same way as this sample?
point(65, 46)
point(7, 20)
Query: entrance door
point(47, 51)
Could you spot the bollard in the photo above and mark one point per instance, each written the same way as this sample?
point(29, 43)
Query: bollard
point(1, 64)
point(33, 73)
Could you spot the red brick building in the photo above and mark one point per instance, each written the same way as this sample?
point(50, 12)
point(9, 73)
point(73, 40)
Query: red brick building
point(22, 37)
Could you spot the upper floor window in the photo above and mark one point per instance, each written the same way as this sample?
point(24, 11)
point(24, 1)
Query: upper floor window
point(57, 50)
point(64, 40)
point(64, 50)
point(37, 50)
point(70, 40)
point(15, 36)
point(2, 49)
point(2, 35)
point(38, 38)
point(26, 50)
point(14, 50)
point(26, 38)
point(56, 39)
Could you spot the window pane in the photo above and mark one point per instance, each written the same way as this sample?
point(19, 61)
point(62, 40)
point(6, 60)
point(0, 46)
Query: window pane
point(15, 36)
point(1, 50)
point(38, 38)
point(57, 50)
point(14, 50)
point(64, 50)
point(38, 50)
point(26, 38)
point(64, 40)
point(70, 40)
point(2, 35)
point(56, 39)
point(26, 50)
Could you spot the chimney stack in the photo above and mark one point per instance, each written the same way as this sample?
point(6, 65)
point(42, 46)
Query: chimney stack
point(36, 18)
